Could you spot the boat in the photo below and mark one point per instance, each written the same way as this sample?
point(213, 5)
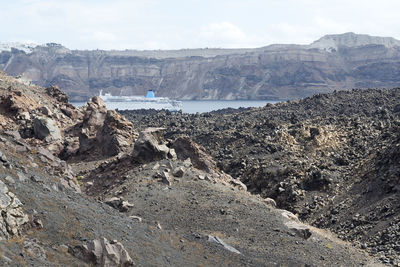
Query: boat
point(150, 101)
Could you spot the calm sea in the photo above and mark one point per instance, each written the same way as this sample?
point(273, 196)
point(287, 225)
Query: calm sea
point(191, 106)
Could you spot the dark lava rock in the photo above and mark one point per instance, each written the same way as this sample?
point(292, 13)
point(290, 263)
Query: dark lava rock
point(312, 156)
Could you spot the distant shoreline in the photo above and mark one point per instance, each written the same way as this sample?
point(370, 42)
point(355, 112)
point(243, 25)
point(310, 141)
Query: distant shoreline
point(191, 106)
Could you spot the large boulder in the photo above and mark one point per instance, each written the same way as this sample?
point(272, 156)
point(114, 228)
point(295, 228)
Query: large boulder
point(98, 131)
point(150, 146)
point(103, 253)
point(45, 129)
point(116, 135)
point(186, 148)
point(94, 114)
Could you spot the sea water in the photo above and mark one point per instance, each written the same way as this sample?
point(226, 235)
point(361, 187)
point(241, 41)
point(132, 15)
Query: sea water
point(189, 106)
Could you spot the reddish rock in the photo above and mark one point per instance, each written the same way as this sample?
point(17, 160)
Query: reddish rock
point(16, 102)
point(186, 148)
point(115, 135)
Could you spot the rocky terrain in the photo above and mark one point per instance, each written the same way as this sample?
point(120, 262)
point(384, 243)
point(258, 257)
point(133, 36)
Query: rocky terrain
point(334, 62)
point(332, 159)
point(87, 187)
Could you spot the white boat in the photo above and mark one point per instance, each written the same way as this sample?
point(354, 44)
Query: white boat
point(150, 101)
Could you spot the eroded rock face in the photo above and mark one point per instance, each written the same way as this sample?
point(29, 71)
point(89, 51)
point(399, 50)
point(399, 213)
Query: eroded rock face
point(12, 216)
point(186, 148)
point(96, 131)
point(115, 135)
point(94, 114)
point(15, 102)
point(104, 253)
point(150, 146)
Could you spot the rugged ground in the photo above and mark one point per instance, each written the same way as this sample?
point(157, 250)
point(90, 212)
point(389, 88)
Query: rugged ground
point(333, 159)
point(86, 187)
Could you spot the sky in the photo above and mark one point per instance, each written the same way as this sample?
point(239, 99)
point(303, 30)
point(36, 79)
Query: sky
point(173, 24)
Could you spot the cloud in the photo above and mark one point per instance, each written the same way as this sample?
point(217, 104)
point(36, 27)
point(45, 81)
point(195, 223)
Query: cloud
point(223, 31)
point(103, 36)
point(175, 24)
point(227, 35)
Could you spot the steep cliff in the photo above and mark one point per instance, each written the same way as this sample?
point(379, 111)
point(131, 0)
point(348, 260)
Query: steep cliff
point(274, 72)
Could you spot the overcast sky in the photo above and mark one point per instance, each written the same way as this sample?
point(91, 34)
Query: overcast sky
point(175, 24)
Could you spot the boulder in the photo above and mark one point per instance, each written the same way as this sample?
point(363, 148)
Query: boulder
point(46, 129)
point(150, 146)
point(13, 217)
point(299, 229)
point(34, 249)
point(178, 172)
point(24, 116)
point(103, 253)
point(165, 178)
point(86, 141)
point(94, 113)
point(115, 135)
point(219, 241)
point(46, 111)
point(119, 203)
point(186, 148)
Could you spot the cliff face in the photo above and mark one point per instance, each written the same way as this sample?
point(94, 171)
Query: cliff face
point(278, 71)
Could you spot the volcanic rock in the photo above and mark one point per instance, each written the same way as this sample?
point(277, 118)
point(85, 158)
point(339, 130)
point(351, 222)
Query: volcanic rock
point(46, 129)
point(115, 135)
point(56, 93)
point(13, 217)
point(188, 209)
point(119, 204)
point(150, 146)
point(330, 158)
point(186, 148)
point(15, 102)
point(94, 114)
point(222, 243)
point(178, 172)
point(33, 248)
point(104, 253)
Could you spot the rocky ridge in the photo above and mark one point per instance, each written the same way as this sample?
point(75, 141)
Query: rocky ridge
point(349, 39)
